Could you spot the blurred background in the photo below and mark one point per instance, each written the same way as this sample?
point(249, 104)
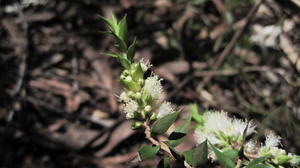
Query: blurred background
point(58, 104)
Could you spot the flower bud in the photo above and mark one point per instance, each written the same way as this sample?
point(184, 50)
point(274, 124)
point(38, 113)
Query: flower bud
point(153, 116)
point(148, 108)
point(138, 95)
point(126, 73)
point(130, 94)
point(129, 83)
point(136, 125)
point(141, 82)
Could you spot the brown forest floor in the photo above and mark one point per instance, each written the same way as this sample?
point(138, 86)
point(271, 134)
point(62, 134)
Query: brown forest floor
point(58, 104)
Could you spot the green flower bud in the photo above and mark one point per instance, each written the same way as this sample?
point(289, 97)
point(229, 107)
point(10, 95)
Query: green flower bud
point(153, 116)
point(136, 125)
point(130, 94)
point(141, 82)
point(138, 95)
point(143, 114)
point(129, 83)
point(148, 108)
point(126, 73)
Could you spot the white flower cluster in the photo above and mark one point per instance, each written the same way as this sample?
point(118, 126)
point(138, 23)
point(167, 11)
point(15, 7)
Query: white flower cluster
point(219, 129)
point(227, 133)
point(271, 149)
point(151, 88)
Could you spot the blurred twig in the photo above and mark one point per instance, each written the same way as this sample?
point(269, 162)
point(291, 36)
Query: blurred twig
point(238, 34)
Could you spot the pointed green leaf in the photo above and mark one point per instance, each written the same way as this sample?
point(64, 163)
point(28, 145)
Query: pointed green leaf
point(122, 28)
point(112, 55)
point(244, 138)
point(125, 63)
point(255, 162)
point(222, 158)
point(131, 50)
point(176, 154)
point(106, 32)
point(161, 125)
point(193, 108)
point(263, 166)
point(178, 135)
point(188, 156)
point(164, 163)
point(107, 21)
point(121, 44)
point(231, 154)
point(146, 151)
point(114, 19)
point(200, 154)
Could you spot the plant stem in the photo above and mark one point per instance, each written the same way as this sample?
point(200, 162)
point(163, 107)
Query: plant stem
point(162, 145)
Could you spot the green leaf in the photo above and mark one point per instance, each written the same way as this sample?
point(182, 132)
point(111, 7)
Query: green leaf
point(178, 135)
point(176, 154)
point(231, 154)
point(263, 166)
point(164, 163)
point(112, 55)
point(125, 63)
point(188, 156)
point(146, 151)
point(131, 50)
point(193, 108)
point(121, 44)
point(107, 21)
point(106, 32)
point(122, 28)
point(255, 162)
point(114, 20)
point(200, 154)
point(222, 158)
point(244, 138)
point(161, 125)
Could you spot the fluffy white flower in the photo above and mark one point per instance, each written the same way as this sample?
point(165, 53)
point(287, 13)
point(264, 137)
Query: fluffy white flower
point(145, 64)
point(272, 140)
point(295, 160)
point(124, 97)
point(251, 147)
point(218, 123)
point(164, 109)
point(154, 88)
point(275, 151)
point(201, 136)
point(130, 107)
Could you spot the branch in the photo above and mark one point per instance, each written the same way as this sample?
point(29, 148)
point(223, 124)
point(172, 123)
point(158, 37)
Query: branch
point(162, 145)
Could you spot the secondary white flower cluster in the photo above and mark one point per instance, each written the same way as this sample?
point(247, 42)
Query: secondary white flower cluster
point(148, 98)
point(227, 134)
point(222, 130)
point(271, 150)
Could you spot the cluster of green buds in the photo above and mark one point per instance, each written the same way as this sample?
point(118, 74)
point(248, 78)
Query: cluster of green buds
point(142, 97)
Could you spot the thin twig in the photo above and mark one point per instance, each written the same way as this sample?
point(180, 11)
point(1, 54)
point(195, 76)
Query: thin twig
point(238, 164)
point(238, 34)
point(162, 145)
